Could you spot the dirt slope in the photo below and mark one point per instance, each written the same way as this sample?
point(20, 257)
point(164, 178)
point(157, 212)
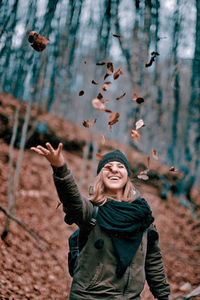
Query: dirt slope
point(31, 269)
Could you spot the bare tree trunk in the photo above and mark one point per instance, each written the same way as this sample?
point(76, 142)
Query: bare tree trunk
point(172, 151)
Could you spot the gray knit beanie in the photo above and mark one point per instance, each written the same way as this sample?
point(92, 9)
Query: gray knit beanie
point(115, 155)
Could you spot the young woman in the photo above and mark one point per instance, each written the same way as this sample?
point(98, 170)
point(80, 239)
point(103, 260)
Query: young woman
point(122, 249)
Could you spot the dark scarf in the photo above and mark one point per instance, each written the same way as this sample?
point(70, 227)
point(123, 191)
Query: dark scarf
point(125, 223)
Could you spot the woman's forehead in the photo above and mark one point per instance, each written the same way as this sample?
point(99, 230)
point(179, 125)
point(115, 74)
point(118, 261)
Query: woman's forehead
point(113, 163)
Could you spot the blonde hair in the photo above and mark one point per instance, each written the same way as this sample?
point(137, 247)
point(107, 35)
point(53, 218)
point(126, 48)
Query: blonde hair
point(100, 196)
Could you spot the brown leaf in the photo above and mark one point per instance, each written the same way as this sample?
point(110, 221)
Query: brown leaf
point(107, 84)
point(107, 74)
point(102, 88)
point(99, 156)
point(110, 127)
point(93, 122)
point(99, 96)
point(97, 104)
point(108, 110)
point(120, 97)
point(86, 123)
point(135, 135)
point(152, 59)
point(37, 41)
point(117, 73)
point(139, 124)
point(101, 63)
point(94, 82)
point(110, 66)
point(117, 35)
point(81, 93)
point(113, 118)
point(154, 154)
point(139, 100)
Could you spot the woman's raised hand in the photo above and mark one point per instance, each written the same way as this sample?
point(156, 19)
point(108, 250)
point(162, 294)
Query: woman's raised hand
point(54, 156)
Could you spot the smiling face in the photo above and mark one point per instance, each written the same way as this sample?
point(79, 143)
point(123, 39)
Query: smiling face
point(114, 176)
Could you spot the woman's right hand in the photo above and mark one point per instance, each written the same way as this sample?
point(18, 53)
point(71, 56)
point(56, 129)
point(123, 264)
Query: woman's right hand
point(54, 156)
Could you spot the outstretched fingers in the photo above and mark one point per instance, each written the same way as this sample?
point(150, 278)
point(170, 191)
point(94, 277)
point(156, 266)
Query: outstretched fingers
point(60, 146)
point(50, 148)
point(37, 150)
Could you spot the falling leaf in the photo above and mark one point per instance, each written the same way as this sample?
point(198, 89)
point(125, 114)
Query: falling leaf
point(59, 203)
point(85, 62)
point(152, 59)
point(117, 35)
point(135, 135)
point(97, 104)
point(113, 118)
point(139, 124)
point(154, 154)
point(81, 93)
point(94, 82)
point(102, 88)
point(172, 169)
point(93, 122)
point(108, 110)
point(120, 97)
point(139, 100)
point(101, 63)
point(107, 84)
point(37, 41)
point(110, 66)
point(110, 127)
point(107, 74)
point(117, 73)
point(99, 96)
point(99, 156)
point(86, 123)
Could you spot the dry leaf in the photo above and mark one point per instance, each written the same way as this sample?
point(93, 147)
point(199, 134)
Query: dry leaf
point(117, 35)
point(139, 124)
point(97, 104)
point(113, 118)
point(81, 93)
point(101, 63)
point(93, 122)
point(135, 135)
point(110, 66)
point(86, 123)
point(139, 100)
point(107, 84)
point(108, 110)
point(102, 88)
point(37, 41)
point(99, 156)
point(152, 59)
point(107, 74)
point(120, 97)
point(110, 127)
point(99, 96)
point(94, 82)
point(154, 154)
point(117, 73)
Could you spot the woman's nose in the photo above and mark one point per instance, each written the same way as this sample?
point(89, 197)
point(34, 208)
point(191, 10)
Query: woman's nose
point(114, 169)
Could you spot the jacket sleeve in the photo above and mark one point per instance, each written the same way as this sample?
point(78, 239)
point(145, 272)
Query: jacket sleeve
point(155, 273)
point(77, 208)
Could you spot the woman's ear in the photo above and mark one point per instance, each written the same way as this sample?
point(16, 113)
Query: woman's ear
point(91, 190)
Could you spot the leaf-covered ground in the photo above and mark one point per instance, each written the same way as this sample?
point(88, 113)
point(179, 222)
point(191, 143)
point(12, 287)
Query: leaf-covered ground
point(37, 269)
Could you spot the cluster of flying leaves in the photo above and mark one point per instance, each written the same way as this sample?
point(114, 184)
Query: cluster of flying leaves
point(39, 43)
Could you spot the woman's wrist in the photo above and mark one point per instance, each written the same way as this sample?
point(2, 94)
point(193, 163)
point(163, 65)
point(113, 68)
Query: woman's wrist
point(60, 171)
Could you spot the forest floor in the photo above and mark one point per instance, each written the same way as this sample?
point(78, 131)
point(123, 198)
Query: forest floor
point(33, 268)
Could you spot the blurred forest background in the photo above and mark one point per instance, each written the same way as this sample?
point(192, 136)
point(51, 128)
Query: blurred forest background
point(82, 33)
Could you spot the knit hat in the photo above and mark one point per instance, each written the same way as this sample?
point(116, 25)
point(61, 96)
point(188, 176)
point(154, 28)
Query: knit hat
point(115, 155)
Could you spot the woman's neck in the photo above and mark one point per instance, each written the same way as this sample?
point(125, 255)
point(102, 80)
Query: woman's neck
point(116, 195)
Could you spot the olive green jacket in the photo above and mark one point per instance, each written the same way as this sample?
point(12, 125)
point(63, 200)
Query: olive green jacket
point(95, 270)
